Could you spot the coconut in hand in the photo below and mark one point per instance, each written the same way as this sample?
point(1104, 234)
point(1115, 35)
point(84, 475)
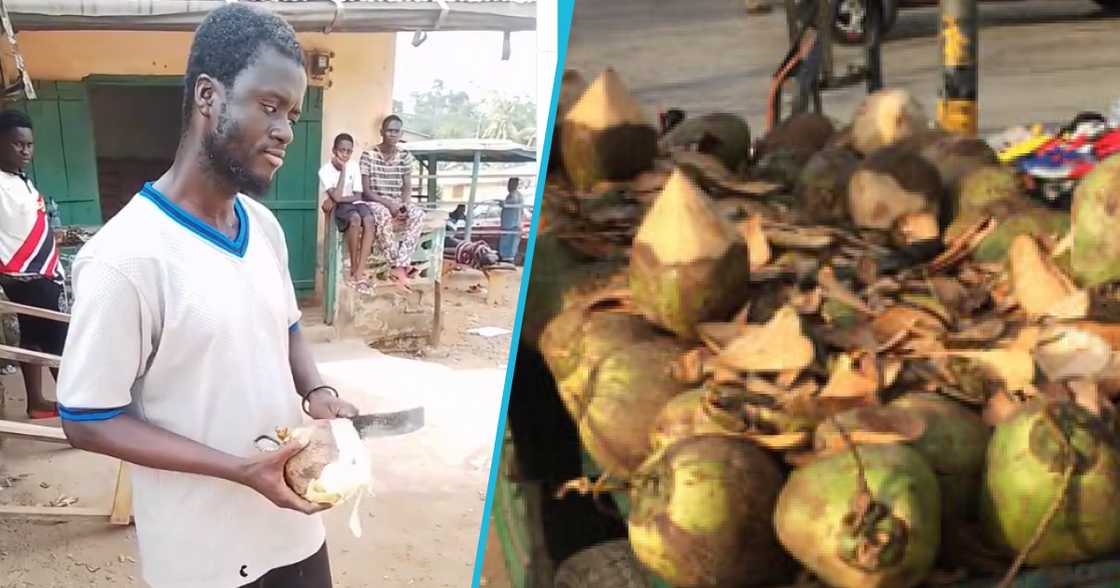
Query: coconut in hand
point(333, 467)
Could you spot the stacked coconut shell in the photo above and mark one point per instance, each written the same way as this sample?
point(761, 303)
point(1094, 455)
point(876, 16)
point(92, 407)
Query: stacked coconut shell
point(853, 354)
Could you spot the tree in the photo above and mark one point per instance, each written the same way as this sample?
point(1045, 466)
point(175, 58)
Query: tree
point(510, 118)
point(445, 113)
point(441, 112)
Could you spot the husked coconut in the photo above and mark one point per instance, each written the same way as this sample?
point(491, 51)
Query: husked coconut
point(727, 137)
point(893, 182)
point(823, 184)
point(333, 466)
point(784, 151)
point(886, 117)
point(955, 156)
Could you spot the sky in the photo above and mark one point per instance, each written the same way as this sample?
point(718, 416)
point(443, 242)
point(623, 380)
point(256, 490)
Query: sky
point(467, 61)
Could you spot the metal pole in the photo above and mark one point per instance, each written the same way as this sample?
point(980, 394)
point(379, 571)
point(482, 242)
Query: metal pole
point(957, 110)
point(470, 200)
point(433, 181)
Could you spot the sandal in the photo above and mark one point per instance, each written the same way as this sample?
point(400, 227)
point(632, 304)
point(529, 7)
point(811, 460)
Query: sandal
point(38, 414)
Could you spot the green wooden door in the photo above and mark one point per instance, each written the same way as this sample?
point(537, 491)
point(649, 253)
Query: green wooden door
point(64, 166)
point(293, 196)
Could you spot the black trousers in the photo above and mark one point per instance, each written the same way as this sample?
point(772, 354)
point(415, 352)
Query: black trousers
point(37, 333)
point(313, 572)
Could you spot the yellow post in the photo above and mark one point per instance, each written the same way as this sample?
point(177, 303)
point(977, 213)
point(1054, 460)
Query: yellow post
point(957, 110)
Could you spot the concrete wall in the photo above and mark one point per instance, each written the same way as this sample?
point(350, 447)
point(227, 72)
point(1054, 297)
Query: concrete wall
point(358, 96)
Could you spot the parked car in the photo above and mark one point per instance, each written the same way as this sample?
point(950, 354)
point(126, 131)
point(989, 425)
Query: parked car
point(849, 23)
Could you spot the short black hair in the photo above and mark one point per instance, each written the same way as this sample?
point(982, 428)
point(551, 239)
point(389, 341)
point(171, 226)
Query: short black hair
point(513, 183)
point(389, 119)
point(13, 119)
point(343, 137)
point(228, 40)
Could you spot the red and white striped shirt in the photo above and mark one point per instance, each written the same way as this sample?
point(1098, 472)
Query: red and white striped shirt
point(27, 245)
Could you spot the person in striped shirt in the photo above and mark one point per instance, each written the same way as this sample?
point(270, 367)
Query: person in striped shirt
point(29, 270)
point(386, 186)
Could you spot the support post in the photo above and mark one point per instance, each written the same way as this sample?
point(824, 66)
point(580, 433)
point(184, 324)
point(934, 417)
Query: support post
point(433, 181)
point(474, 191)
point(330, 271)
point(957, 110)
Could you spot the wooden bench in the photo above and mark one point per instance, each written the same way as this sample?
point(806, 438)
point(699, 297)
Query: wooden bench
point(120, 511)
point(427, 261)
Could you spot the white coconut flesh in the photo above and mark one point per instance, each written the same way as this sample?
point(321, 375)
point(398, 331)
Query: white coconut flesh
point(346, 476)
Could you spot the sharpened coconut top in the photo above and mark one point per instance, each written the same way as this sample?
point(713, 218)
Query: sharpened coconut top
point(607, 103)
point(683, 226)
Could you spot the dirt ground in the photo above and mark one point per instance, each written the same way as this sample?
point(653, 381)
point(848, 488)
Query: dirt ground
point(420, 528)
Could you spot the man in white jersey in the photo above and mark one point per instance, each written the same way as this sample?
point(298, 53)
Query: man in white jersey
point(184, 344)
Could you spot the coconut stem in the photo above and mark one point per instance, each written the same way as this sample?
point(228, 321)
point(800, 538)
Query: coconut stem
point(1055, 505)
point(584, 486)
point(864, 488)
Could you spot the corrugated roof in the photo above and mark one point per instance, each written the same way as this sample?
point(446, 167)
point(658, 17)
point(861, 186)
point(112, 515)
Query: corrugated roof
point(492, 150)
point(357, 16)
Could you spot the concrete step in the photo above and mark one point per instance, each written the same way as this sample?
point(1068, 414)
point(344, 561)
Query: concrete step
point(319, 333)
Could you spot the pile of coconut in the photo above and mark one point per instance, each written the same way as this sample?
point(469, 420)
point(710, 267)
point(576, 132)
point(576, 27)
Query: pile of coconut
point(860, 355)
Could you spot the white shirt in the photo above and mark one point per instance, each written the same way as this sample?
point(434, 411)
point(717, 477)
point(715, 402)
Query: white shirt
point(186, 329)
point(27, 244)
point(328, 178)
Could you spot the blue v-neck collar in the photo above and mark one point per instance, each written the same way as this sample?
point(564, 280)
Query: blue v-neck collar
point(236, 246)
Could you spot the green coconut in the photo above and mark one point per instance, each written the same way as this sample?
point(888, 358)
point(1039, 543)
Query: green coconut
point(1026, 463)
point(1095, 256)
point(822, 186)
point(886, 117)
point(612, 373)
point(954, 443)
point(1034, 220)
point(624, 394)
point(700, 514)
point(804, 133)
point(727, 137)
point(824, 519)
point(784, 152)
point(984, 186)
point(606, 135)
point(890, 184)
point(579, 339)
point(560, 276)
point(680, 417)
point(688, 264)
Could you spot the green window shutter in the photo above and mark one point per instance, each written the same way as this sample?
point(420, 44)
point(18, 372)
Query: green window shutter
point(64, 166)
point(293, 196)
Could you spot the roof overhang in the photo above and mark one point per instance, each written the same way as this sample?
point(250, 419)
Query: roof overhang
point(464, 150)
point(341, 16)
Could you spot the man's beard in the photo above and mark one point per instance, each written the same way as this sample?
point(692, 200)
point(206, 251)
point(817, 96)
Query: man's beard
point(219, 146)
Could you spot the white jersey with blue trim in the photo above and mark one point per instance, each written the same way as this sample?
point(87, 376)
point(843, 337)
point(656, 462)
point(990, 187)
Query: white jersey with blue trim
point(184, 328)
